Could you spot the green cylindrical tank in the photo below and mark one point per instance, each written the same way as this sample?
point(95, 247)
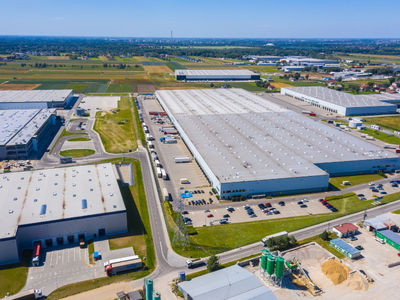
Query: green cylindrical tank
point(156, 296)
point(149, 288)
point(280, 263)
point(270, 264)
point(264, 255)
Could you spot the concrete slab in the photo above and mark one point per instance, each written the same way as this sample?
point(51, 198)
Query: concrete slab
point(78, 145)
point(97, 103)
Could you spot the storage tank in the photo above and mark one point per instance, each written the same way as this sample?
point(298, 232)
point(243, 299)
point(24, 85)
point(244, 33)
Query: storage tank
point(264, 257)
point(280, 262)
point(182, 275)
point(156, 296)
point(149, 288)
point(270, 264)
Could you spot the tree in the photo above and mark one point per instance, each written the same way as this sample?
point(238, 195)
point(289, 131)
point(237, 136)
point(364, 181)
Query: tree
point(307, 76)
point(391, 80)
point(340, 79)
point(212, 263)
point(324, 236)
point(211, 84)
point(271, 242)
point(285, 241)
point(293, 240)
point(297, 76)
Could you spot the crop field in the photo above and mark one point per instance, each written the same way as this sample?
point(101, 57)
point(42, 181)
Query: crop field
point(279, 85)
point(58, 57)
point(173, 65)
point(152, 63)
point(120, 88)
point(17, 87)
point(96, 88)
point(103, 58)
point(79, 84)
point(145, 88)
point(157, 69)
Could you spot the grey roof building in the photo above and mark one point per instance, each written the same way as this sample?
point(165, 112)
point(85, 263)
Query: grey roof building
point(247, 145)
point(232, 283)
point(216, 75)
point(55, 206)
point(29, 99)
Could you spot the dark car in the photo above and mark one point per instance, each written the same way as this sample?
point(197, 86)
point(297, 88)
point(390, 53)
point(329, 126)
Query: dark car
point(231, 209)
point(321, 200)
point(185, 212)
point(202, 191)
point(300, 202)
point(194, 192)
point(226, 216)
point(204, 201)
point(209, 199)
point(268, 204)
point(334, 209)
point(359, 247)
point(197, 201)
point(210, 193)
point(383, 193)
point(260, 205)
point(303, 206)
point(276, 212)
point(329, 206)
point(360, 195)
point(281, 203)
point(193, 202)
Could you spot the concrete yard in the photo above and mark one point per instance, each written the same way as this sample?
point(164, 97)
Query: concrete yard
point(96, 103)
point(78, 145)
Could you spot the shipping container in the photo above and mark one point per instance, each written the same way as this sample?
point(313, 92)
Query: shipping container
point(159, 174)
point(153, 113)
point(397, 150)
point(36, 253)
point(125, 266)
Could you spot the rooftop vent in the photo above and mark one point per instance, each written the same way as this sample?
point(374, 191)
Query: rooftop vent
point(43, 209)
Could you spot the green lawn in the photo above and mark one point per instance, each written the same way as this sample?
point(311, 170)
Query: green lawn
point(79, 140)
point(221, 238)
point(354, 180)
point(13, 277)
point(91, 251)
point(77, 152)
point(116, 128)
point(396, 212)
point(248, 86)
point(120, 88)
point(392, 123)
point(384, 137)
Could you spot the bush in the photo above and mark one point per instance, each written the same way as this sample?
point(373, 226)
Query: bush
point(324, 236)
point(214, 190)
point(339, 196)
point(191, 230)
point(380, 173)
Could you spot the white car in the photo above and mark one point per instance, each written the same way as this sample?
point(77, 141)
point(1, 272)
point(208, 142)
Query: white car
point(244, 206)
point(229, 207)
point(305, 200)
point(269, 213)
point(371, 183)
point(188, 223)
point(207, 210)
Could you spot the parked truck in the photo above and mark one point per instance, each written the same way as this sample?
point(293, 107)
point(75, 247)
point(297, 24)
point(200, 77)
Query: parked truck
point(36, 253)
point(193, 263)
point(31, 294)
point(159, 174)
point(182, 159)
point(162, 128)
point(82, 241)
point(123, 266)
point(164, 174)
point(264, 241)
point(154, 156)
point(165, 194)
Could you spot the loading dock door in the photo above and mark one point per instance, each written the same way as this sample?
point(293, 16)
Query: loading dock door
point(71, 239)
point(49, 242)
point(60, 240)
point(102, 232)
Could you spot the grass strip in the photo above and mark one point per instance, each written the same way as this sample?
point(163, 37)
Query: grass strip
point(64, 133)
point(91, 251)
point(79, 140)
point(77, 152)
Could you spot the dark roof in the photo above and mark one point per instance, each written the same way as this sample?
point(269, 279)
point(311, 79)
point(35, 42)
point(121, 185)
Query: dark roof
point(391, 235)
point(346, 227)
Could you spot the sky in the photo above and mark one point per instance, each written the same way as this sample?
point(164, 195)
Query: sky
point(201, 19)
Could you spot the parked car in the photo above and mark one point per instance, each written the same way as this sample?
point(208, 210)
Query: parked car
point(360, 195)
point(334, 209)
point(276, 212)
point(210, 193)
point(226, 216)
point(204, 201)
point(268, 204)
point(193, 202)
point(246, 206)
point(194, 192)
point(197, 202)
point(371, 183)
point(185, 212)
point(321, 200)
point(253, 215)
point(383, 193)
point(305, 200)
point(359, 247)
point(202, 191)
point(281, 203)
point(303, 206)
point(269, 213)
point(300, 202)
point(230, 208)
point(353, 238)
point(188, 223)
point(375, 195)
point(209, 199)
point(206, 210)
point(265, 210)
point(210, 216)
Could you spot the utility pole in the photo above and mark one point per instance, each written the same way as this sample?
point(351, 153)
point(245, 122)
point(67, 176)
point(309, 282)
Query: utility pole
point(365, 213)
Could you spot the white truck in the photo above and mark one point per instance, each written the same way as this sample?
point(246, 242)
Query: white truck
point(193, 263)
point(183, 159)
point(159, 174)
point(164, 174)
point(157, 162)
point(150, 144)
point(31, 294)
point(264, 241)
point(165, 194)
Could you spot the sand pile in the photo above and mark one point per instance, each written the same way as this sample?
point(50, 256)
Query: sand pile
point(335, 271)
point(356, 282)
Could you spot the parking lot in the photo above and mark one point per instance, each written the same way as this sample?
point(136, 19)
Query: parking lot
point(384, 190)
point(292, 209)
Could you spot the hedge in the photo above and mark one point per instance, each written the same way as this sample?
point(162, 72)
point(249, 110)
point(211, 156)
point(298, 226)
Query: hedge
point(191, 230)
point(339, 196)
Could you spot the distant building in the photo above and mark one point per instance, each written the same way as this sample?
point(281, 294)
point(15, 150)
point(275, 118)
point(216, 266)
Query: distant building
point(266, 57)
point(271, 87)
point(306, 61)
point(216, 75)
point(35, 99)
point(292, 68)
point(345, 230)
point(378, 223)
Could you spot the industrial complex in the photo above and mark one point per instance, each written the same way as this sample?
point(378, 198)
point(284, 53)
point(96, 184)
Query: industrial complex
point(58, 206)
point(216, 75)
point(35, 99)
point(249, 146)
point(343, 103)
point(23, 131)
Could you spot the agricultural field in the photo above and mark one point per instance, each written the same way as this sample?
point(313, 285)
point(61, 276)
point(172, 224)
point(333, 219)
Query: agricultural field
point(103, 58)
point(120, 88)
point(17, 87)
point(173, 65)
point(215, 47)
point(58, 57)
point(392, 123)
point(152, 63)
point(157, 69)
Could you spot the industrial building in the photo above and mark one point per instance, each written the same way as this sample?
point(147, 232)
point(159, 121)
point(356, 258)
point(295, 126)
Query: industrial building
point(249, 146)
point(35, 99)
point(232, 283)
point(58, 206)
point(265, 57)
point(216, 75)
point(292, 68)
point(306, 61)
point(345, 248)
point(389, 237)
point(346, 75)
point(339, 102)
point(378, 223)
point(23, 131)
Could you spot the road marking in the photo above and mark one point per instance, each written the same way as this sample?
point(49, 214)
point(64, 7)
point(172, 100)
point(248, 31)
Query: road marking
point(51, 258)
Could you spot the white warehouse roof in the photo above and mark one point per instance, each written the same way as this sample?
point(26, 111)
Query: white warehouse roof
point(34, 96)
point(19, 126)
point(214, 72)
point(245, 137)
point(336, 97)
point(54, 194)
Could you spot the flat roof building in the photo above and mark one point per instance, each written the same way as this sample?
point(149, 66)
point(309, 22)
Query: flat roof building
point(339, 102)
point(56, 206)
point(389, 237)
point(266, 57)
point(345, 248)
point(233, 283)
point(216, 75)
point(23, 131)
point(247, 145)
point(35, 99)
point(307, 61)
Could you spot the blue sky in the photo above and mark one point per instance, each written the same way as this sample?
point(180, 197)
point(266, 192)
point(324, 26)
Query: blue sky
point(205, 18)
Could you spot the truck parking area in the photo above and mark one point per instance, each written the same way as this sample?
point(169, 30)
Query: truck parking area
point(291, 209)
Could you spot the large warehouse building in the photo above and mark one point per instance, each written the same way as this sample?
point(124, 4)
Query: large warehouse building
point(216, 75)
point(247, 145)
point(340, 102)
point(307, 61)
point(23, 131)
point(58, 206)
point(35, 99)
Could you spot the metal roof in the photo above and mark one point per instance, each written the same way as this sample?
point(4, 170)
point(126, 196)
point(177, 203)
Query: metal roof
point(379, 222)
point(34, 96)
point(19, 126)
point(243, 136)
point(336, 97)
point(391, 235)
point(347, 247)
point(233, 283)
point(55, 194)
point(214, 72)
